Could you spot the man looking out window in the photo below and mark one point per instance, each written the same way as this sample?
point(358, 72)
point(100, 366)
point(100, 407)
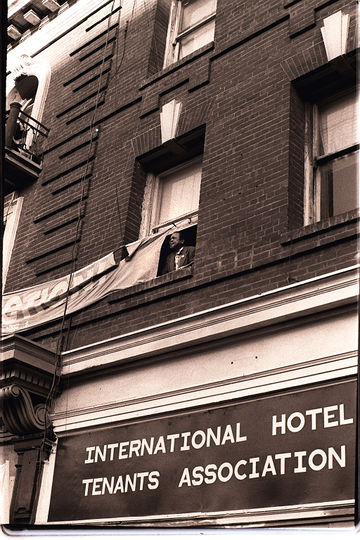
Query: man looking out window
point(179, 256)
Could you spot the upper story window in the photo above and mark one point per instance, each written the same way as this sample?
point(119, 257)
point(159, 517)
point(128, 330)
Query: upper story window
point(191, 25)
point(171, 196)
point(335, 156)
point(178, 194)
point(27, 87)
point(170, 179)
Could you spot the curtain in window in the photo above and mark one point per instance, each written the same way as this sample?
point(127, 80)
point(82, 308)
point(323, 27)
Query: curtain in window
point(338, 125)
point(180, 193)
point(195, 11)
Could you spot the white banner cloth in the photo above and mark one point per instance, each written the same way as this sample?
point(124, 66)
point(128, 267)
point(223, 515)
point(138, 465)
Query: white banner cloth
point(42, 303)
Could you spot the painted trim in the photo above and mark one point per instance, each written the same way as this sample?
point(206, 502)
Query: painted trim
point(276, 380)
point(43, 503)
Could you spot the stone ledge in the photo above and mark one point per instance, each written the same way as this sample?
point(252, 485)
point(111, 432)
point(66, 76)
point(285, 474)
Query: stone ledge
point(172, 277)
point(315, 229)
point(26, 364)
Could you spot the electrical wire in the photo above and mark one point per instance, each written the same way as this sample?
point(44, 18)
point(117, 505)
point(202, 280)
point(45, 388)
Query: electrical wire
point(99, 96)
point(59, 345)
point(111, 78)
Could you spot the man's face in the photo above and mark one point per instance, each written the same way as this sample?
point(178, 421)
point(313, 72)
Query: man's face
point(175, 241)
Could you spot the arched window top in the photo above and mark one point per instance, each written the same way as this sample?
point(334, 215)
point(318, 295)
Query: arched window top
point(29, 79)
point(28, 84)
point(26, 65)
point(24, 91)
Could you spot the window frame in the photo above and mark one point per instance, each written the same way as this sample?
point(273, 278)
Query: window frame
point(313, 197)
point(174, 36)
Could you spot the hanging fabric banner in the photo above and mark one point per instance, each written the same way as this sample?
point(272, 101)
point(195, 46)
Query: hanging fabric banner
point(42, 303)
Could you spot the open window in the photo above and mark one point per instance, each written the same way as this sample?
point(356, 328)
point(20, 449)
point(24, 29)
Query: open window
point(334, 155)
point(166, 193)
point(324, 147)
point(191, 26)
point(183, 256)
point(172, 178)
point(172, 198)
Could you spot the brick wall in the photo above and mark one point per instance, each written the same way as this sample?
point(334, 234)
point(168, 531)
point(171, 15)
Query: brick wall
point(103, 105)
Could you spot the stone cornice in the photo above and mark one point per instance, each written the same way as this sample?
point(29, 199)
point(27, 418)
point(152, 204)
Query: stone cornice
point(14, 347)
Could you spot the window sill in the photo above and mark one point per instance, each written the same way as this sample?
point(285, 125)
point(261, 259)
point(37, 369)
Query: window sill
point(320, 227)
point(160, 281)
point(177, 65)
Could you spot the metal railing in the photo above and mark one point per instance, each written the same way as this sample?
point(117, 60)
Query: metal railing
point(23, 132)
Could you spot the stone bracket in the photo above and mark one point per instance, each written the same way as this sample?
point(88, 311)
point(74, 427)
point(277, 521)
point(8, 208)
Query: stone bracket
point(20, 415)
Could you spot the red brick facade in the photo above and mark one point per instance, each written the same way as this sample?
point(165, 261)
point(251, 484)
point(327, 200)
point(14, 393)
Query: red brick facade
point(106, 91)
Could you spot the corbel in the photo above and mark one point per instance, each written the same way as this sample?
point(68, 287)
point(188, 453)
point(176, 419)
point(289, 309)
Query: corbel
point(20, 415)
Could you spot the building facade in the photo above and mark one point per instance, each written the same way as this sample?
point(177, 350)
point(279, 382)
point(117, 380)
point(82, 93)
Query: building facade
point(221, 390)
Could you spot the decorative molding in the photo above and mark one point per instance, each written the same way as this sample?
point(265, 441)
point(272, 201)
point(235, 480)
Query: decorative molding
point(27, 371)
point(13, 32)
point(20, 415)
point(70, 19)
point(32, 18)
point(32, 452)
point(30, 379)
point(12, 212)
point(51, 5)
point(27, 353)
point(335, 34)
point(169, 120)
point(278, 379)
point(21, 66)
point(301, 299)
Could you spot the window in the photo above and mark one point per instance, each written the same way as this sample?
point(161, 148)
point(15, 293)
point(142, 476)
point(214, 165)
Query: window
point(24, 93)
point(28, 85)
point(171, 197)
point(191, 25)
point(335, 155)
point(12, 210)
